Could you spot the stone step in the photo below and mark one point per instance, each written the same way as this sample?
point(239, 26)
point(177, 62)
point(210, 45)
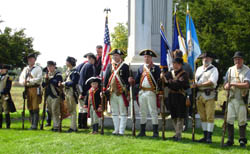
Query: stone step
point(108, 123)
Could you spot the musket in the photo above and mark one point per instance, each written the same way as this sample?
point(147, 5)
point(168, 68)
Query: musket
point(24, 98)
point(44, 104)
point(132, 104)
point(103, 105)
point(226, 109)
point(193, 114)
point(163, 114)
point(61, 113)
point(62, 95)
point(23, 112)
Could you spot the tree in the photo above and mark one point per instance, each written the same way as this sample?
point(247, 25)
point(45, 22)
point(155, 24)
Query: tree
point(120, 37)
point(14, 46)
point(222, 27)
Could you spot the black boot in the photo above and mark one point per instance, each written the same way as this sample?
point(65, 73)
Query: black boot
point(209, 137)
point(243, 140)
point(96, 128)
point(35, 120)
point(48, 119)
point(85, 121)
point(142, 132)
point(7, 117)
point(155, 131)
point(31, 118)
point(230, 129)
point(80, 117)
point(204, 139)
point(1, 120)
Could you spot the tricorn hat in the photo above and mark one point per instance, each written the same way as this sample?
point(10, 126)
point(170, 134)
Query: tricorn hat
point(71, 60)
point(238, 54)
point(93, 79)
point(116, 51)
point(148, 52)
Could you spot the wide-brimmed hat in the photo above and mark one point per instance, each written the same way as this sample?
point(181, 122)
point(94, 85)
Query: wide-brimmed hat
point(206, 54)
point(238, 54)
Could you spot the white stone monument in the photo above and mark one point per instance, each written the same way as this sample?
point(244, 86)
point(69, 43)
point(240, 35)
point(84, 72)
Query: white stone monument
point(144, 20)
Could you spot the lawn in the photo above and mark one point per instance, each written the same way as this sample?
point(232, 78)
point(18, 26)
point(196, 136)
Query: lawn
point(18, 141)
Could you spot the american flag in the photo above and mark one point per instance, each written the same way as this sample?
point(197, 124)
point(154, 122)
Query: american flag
point(107, 47)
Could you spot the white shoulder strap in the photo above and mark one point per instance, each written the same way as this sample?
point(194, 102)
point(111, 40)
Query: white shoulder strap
point(151, 75)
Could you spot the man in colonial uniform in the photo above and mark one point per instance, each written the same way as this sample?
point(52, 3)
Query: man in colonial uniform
point(206, 78)
point(177, 82)
point(87, 71)
point(93, 102)
point(31, 78)
point(5, 97)
point(116, 86)
point(70, 83)
point(146, 79)
point(50, 83)
point(238, 101)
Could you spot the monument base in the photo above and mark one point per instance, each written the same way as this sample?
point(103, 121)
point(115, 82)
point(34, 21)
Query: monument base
point(108, 123)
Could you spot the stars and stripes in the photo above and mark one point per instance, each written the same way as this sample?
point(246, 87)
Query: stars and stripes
point(107, 47)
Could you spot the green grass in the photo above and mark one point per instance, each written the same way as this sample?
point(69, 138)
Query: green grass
point(16, 140)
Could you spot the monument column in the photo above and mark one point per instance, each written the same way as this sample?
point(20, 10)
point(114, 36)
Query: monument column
point(144, 19)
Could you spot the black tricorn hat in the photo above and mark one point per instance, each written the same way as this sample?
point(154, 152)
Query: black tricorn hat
point(238, 54)
point(148, 52)
point(5, 66)
point(32, 55)
point(206, 54)
point(91, 55)
point(93, 79)
point(51, 63)
point(71, 60)
point(178, 60)
point(116, 51)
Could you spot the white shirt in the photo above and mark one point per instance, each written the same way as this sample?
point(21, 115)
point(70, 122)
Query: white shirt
point(34, 78)
point(210, 75)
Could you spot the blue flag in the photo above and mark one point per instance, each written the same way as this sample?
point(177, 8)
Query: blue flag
point(166, 59)
point(192, 42)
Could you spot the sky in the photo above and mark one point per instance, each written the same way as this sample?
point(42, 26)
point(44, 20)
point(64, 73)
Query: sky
point(62, 28)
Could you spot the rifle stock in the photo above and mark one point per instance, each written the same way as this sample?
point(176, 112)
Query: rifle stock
point(225, 114)
point(193, 115)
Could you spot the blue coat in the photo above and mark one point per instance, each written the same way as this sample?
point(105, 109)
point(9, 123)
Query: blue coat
point(54, 82)
point(155, 71)
point(87, 71)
